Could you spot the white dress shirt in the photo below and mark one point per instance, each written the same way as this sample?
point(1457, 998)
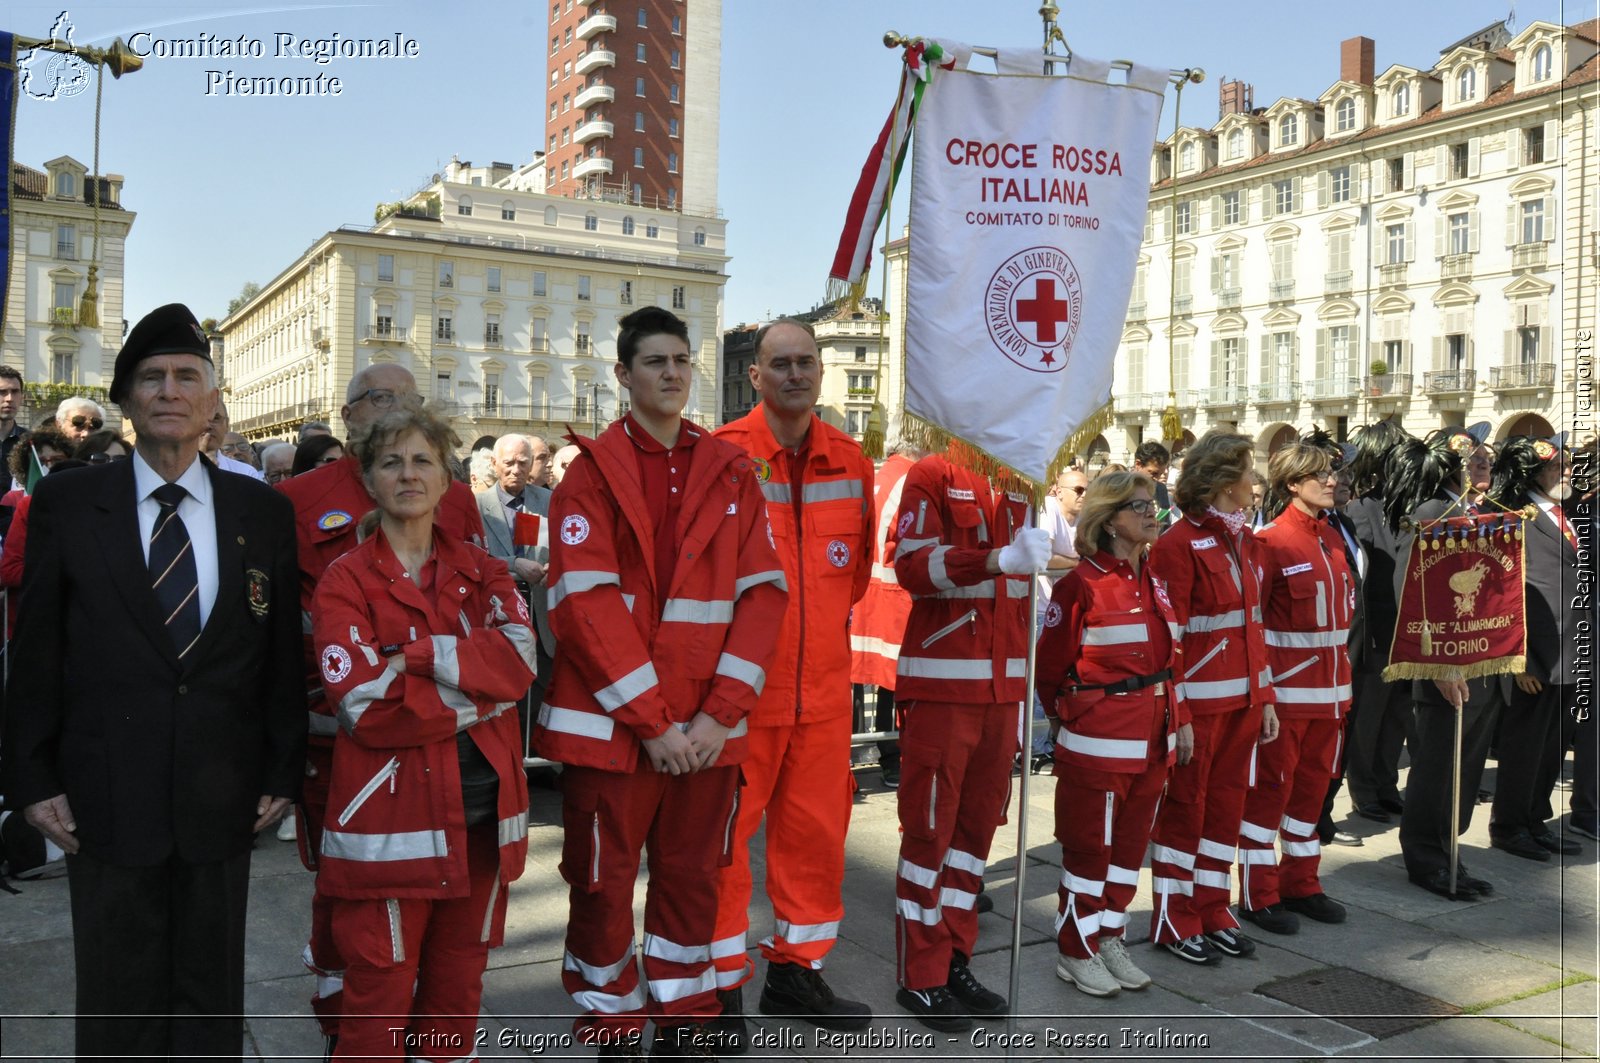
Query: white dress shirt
point(198, 515)
point(243, 468)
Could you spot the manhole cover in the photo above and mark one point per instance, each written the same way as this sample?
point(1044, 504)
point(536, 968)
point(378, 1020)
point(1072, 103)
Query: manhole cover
point(1359, 1001)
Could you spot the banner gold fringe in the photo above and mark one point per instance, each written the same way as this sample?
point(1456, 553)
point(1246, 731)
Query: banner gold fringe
point(840, 291)
point(1417, 670)
point(873, 438)
point(1171, 426)
point(936, 439)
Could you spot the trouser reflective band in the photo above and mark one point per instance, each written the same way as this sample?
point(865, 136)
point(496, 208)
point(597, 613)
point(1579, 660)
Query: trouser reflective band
point(728, 954)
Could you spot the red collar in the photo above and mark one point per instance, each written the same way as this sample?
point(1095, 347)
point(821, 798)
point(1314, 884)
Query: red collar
point(688, 435)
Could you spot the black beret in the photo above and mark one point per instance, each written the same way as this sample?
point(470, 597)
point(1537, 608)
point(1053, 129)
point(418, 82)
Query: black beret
point(170, 329)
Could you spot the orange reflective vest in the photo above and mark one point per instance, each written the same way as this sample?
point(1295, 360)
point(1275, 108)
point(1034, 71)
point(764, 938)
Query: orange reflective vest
point(823, 529)
point(879, 619)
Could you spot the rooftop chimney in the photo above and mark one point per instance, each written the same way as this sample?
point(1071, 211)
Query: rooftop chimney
point(1356, 60)
point(1234, 97)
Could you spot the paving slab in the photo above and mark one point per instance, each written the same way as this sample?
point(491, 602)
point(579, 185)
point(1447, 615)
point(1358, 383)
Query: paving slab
point(1567, 1015)
point(1468, 1038)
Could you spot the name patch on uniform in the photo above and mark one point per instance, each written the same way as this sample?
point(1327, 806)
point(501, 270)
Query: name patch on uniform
point(1204, 544)
point(334, 518)
point(1052, 615)
point(961, 494)
point(763, 469)
point(335, 663)
point(1295, 570)
point(838, 553)
point(574, 530)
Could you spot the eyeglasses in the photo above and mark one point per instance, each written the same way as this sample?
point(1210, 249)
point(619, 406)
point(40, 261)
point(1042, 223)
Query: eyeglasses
point(1143, 506)
point(1326, 476)
point(381, 398)
point(94, 423)
point(104, 458)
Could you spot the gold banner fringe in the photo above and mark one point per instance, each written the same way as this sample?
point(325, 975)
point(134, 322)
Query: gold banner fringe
point(838, 291)
point(936, 439)
point(1171, 426)
point(872, 439)
point(1418, 670)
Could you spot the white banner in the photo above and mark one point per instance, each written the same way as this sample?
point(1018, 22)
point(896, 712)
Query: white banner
point(1028, 204)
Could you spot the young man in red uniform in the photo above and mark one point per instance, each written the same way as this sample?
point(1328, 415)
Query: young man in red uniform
point(666, 596)
point(328, 503)
point(818, 486)
point(959, 546)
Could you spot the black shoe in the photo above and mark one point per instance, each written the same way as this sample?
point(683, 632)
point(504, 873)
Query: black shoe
point(1318, 906)
point(935, 1008)
point(1549, 839)
point(1485, 796)
point(1375, 811)
point(984, 903)
point(1521, 844)
point(1472, 882)
point(1344, 837)
point(1196, 950)
point(972, 994)
point(1392, 804)
point(1439, 882)
point(799, 992)
point(729, 1031)
point(1230, 942)
point(1274, 919)
point(891, 778)
point(1587, 827)
point(689, 1041)
point(1042, 762)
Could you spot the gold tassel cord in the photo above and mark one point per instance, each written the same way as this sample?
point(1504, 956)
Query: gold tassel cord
point(89, 304)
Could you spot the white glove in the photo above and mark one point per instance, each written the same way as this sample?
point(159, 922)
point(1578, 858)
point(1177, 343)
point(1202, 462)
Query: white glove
point(1028, 555)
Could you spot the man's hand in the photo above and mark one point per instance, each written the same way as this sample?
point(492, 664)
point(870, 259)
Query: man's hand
point(269, 810)
point(528, 571)
point(1528, 684)
point(1269, 725)
point(53, 818)
point(707, 736)
point(1454, 691)
point(1185, 743)
point(671, 752)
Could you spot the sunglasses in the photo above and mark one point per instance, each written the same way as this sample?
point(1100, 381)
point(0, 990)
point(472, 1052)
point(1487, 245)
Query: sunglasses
point(1078, 489)
point(103, 458)
point(94, 423)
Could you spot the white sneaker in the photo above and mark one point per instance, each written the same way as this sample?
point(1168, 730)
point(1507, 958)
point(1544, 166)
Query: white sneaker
point(286, 828)
point(1114, 955)
point(1090, 975)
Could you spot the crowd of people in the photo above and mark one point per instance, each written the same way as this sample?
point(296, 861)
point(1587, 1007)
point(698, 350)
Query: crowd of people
point(377, 633)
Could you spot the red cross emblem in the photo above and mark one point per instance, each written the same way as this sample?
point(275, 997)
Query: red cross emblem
point(1033, 305)
point(1044, 311)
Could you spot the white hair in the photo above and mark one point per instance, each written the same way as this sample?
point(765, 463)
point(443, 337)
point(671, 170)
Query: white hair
point(273, 448)
point(78, 402)
point(509, 440)
point(481, 467)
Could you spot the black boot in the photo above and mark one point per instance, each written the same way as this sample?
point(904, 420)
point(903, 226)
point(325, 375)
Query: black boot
point(800, 992)
point(729, 1033)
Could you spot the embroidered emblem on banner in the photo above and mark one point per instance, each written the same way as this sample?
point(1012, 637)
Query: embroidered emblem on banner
point(574, 530)
point(838, 553)
point(1033, 305)
point(334, 518)
point(335, 663)
point(1052, 615)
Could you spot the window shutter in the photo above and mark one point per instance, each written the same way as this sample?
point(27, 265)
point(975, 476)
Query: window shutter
point(1355, 344)
point(1513, 148)
point(1149, 226)
point(1551, 220)
point(1324, 189)
point(1440, 223)
point(1546, 340)
point(1511, 224)
point(1552, 140)
point(1216, 212)
point(1266, 202)
point(1295, 202)
point(1411, 241)
point(1409, 166)
point(1322, 354)
point(1239, 366)
point(1438, 352)
point(1216, 363)
point(1511, 355)
point(1474, 157)
point(1441, 163)
point(1216, 273)
point(1472, 232)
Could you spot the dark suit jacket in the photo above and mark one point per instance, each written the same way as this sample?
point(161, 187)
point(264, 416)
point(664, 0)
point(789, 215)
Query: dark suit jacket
point(1359, 642)
point(154, 755)
point(1377, 589)
point(1550, 565)
point(501, 543)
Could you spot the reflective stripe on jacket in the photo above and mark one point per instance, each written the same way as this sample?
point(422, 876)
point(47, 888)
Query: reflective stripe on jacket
point(1310, 598)
point(878, 621)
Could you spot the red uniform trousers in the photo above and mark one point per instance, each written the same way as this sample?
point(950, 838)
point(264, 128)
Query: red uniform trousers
point(1197, 832)
point(413, 976)
point(800, 778)
point(1103, 823)
point(1292, 776)
point(686, 824)
point(955, 781)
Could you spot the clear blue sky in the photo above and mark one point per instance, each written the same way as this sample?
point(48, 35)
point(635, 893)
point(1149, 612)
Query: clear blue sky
point(232, 189)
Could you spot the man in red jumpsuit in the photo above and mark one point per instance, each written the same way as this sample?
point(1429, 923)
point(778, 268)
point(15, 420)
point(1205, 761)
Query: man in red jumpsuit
point(959, 546)
point(666, 596)
point(328, 503)
point(818, 487)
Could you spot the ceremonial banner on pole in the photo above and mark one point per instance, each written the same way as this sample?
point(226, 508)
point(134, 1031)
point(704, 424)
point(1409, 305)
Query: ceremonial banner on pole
point(1028, 205)
point(8, 125)
point(1461, 603)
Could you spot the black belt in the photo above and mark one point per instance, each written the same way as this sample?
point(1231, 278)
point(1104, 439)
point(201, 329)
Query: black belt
point(1126, 686)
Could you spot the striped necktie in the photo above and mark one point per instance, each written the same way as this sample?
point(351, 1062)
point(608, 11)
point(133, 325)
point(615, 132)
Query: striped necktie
point(173, 575)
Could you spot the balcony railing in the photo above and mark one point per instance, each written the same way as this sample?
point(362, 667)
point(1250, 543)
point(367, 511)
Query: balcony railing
point(541, 411)
point(1133, 404)
point(69, 251)
point(491, 335)
point(1281, 291)
point(1225, 395)
point(1275, 392)
point(1333, 389)
point(320, 337)
point(1456, 268)
point(1525, 377)
point(313, 409)
point(1442, 383)
point(594, 94)
point(1136, 311)
point(1182, 304)
point(598, 164)
point(1339, 282)
point(1389, 385)
point(590, 130)
point(384, 332)
point(1392, 275)
point(594, 60)
point(1529, 256)
point(64, 315)
point(596, 24)
point(1229, 298)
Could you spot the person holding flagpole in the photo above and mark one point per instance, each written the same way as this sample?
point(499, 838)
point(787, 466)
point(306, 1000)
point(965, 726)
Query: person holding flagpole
point(1108, 654)
point(965, 551)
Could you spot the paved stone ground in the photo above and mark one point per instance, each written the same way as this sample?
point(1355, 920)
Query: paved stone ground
point(1521, 968)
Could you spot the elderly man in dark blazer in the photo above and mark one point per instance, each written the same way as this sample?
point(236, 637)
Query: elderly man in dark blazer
point(159, 660)
point(520, 464)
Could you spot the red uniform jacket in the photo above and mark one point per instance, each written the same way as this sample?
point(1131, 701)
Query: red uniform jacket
point(396, 826)
point(1103, 625)
point(1310, 598)
point(637, 658)
point(879, 619)
point(1214, 580)
point(328, 503)
point(823, 530)
point(966, 639)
